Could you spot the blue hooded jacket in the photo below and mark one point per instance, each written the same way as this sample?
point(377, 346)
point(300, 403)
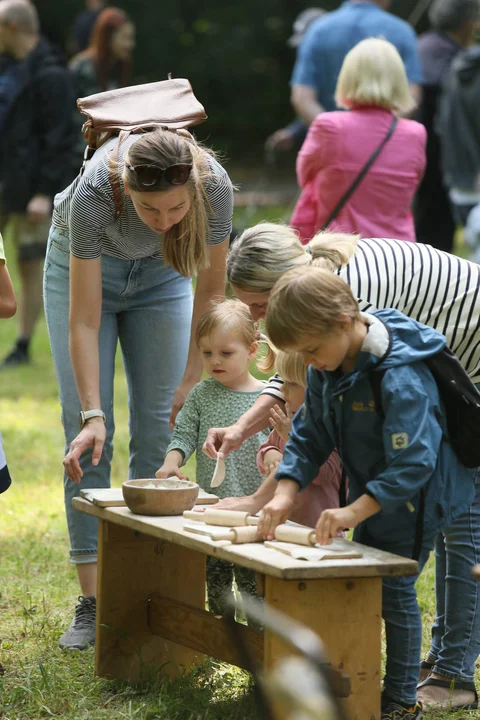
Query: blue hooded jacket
point(393, 456)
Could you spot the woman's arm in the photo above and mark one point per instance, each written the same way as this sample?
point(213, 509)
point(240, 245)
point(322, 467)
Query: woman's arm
point(422, 158)
point(224, 440)
point(85, 316)
point(210, 285)
point(250, 503)
point(311, 157)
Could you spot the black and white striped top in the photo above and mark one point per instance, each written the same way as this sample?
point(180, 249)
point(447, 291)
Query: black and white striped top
point(428, 285)
point(85, 211)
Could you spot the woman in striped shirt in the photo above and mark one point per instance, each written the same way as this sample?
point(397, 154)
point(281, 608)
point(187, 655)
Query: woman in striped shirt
point(124, 264)
point(437, 289)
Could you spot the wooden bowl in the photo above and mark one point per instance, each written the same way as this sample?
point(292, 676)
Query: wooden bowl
point(170, 496)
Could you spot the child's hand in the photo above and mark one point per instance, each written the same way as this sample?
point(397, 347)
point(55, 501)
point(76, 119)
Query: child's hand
point(271, 460)
point(168, 471)
point(274, 513)
point(333, 520)
point(278, 509)
point(247, 503)
point(280, 421)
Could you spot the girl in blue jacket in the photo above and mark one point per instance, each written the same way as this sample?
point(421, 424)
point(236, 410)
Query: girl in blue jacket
point(406, 483)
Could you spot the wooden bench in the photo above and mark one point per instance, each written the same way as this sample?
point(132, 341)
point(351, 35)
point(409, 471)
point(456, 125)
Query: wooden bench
point(151, 603)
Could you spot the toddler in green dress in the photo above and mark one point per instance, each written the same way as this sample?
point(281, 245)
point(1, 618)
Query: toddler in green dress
point(228, 341)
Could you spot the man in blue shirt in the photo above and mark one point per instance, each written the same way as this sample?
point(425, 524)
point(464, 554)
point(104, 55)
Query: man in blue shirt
point(330, 38)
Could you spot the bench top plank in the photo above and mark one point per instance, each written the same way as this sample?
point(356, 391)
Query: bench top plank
point(255, 556)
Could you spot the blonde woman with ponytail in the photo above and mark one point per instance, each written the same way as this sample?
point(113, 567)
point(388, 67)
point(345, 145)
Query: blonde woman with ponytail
point(126, 276)
point(432, 286)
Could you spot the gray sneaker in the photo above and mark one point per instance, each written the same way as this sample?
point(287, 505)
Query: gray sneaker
point(81, 632)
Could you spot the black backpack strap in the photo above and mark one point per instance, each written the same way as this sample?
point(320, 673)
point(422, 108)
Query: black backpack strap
point(348, 194)
point(376, 378)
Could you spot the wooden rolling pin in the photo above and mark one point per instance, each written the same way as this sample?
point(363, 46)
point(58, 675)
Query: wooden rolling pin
point(298, 535)
point(236, 535)
point(235, 518)
point(231, 518)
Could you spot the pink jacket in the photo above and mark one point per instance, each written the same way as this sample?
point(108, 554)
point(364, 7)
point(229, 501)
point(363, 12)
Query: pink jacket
point(336, 148)
point(323, 493)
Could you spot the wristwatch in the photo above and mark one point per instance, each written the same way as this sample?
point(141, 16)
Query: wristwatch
point(88, 414)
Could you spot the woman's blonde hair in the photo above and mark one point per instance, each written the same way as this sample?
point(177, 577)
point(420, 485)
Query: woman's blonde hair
point(263, 253)
point(308, 302)
point(291, 368)
point(228, 315)
point(184, 245)
point(373, 73)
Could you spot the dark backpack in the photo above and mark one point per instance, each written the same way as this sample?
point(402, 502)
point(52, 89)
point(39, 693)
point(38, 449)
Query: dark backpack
point(461, 400)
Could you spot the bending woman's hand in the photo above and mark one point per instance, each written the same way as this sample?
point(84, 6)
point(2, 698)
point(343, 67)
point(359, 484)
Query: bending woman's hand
point(223, 441)
point(92, 434)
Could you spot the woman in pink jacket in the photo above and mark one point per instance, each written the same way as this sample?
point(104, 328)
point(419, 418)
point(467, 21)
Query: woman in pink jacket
point(373, 86)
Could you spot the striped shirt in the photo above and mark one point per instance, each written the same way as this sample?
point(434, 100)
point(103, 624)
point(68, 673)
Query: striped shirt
point(86, 212)
point(428, 285)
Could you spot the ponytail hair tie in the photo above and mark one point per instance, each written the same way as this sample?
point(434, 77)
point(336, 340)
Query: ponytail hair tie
point(260, 337)
point(308, 249)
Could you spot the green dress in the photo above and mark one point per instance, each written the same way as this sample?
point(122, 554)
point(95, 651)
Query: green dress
point(210, 404)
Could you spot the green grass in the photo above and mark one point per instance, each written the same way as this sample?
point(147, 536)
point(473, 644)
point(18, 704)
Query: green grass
point(38, 586)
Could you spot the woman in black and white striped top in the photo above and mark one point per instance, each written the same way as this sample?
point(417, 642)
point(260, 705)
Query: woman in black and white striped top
point(433, 287)
point(439, 290)
point(125, 263)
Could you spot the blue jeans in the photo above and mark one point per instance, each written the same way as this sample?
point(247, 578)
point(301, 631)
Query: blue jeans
point(455, 643)
point(400, 610)
point(147, 306)
point(403, 630)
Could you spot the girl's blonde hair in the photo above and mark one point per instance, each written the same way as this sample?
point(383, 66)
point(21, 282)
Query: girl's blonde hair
point(228, 315)
point(263, 253)
point(373, 73)
point(291, 368)
point(184, 245)
point(308, 302)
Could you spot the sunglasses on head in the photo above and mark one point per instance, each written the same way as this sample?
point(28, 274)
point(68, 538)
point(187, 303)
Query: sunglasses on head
point(150, 175)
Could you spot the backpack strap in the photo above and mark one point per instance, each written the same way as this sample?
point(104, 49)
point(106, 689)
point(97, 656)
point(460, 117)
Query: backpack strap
point(376, 378)
point(114, 176)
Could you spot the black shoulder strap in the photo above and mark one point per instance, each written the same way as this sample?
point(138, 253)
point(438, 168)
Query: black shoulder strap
point(348, 194)
point(376, 378)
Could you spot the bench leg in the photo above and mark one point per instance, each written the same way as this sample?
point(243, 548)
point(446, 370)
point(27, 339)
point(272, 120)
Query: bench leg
point(131, 567)
point(346, 614)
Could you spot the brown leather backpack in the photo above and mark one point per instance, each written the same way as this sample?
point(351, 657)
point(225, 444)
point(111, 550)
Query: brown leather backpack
point(137, 109)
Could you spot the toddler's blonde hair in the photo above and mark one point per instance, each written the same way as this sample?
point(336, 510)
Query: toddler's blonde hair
point(307, 301)
point(291, 368)
point(228, 315)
